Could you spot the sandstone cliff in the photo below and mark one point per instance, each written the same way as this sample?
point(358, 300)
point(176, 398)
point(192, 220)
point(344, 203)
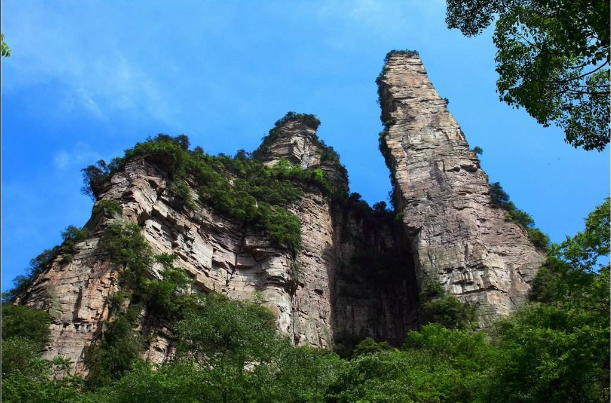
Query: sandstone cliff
point(457, 236)
point(358, 271)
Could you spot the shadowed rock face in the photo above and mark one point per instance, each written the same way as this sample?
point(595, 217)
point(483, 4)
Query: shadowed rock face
point(357, 274)
point(342, 290)
point(458, 237)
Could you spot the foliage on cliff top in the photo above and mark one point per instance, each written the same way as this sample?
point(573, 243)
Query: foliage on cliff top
point(404, 52)
point(241, 188)
point(327, 154)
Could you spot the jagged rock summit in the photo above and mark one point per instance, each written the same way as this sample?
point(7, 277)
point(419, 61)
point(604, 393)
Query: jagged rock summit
point(357, 271)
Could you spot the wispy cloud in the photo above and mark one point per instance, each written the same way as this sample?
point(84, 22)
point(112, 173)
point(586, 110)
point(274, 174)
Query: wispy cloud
point(98, 80)
point(384, 16)
point(76, 156)
point(411, 20)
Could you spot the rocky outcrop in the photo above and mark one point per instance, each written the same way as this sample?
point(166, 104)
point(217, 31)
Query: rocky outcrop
point(353, 276)
point(457, 236)
point(218, 254)
point(359, 271)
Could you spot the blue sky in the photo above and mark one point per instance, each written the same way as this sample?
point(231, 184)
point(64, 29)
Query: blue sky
point(87, 80)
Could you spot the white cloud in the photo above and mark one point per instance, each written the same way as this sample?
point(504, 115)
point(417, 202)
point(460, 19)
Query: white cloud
point(79, 155)
point(98, 80)
point(403, 23)
point(61, 160)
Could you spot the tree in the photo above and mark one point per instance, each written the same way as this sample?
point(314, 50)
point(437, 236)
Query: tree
point(24, 321)
point(435, 365)
point(6, 51)
point(437, 306)
point(552, 59)
point(556, 349)
point(236, 342)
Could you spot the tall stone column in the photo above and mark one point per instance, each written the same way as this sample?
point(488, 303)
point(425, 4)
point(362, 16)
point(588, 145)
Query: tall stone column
point(457, 235)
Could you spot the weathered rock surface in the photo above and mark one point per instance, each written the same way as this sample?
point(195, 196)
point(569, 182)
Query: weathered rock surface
point(357, 274)
point(218, 254)
point(342, 291)
point(458, 236)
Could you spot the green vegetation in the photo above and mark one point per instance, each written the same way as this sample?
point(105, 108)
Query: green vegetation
point(478, 150)
point(110, 208)
point(163, 300)
point(162, 297)
point(119, 347)
point(437, 306)
point(435, 365)
point(555, 349)
point(328, 155)
point(26, 377)
point(275, 133)
point(25, 322)
point(241, 188)
point(71, 236)
point(37, 266)
point(500, 198)
point(552, 59)
point(6, 51)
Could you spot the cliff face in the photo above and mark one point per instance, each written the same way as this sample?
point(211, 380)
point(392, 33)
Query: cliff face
point(457, 236)
point(358, 272)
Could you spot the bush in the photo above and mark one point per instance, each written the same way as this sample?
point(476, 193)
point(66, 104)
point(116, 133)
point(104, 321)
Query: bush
point(370, 346)
point(95, 177)
point(437, 306)
point(26, 322)
point(72, 235)
point(127, 247)
point(307, 119)
point(389, 123)
point(110, 208)
point(113, 355)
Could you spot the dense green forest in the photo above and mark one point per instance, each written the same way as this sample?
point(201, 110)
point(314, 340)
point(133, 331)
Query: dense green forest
point(554, 349)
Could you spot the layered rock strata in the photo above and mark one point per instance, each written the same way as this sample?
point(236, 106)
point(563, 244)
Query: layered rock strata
point(353, 268)
point(358, 273)
point(223, 256)
point(456, 234)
